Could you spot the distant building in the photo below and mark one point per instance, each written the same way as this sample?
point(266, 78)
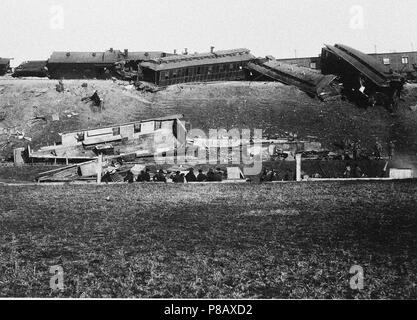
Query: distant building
point(227, 65)
point(404, 63)
point(4, 66)
point(31, 69)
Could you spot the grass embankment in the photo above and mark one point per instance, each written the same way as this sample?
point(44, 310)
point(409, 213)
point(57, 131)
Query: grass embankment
point(275, 108)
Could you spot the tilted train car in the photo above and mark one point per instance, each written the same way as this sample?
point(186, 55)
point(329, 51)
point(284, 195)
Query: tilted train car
point(36, 68)
point(227, 65)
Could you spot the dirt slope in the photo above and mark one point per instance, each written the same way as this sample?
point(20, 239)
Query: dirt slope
point(273, 107)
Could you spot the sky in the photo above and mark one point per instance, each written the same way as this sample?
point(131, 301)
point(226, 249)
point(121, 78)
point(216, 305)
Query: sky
point(32, 29)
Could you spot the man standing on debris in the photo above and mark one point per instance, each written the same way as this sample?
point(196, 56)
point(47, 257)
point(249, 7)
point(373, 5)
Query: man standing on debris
point(391, 147)
point(378, 150)
point(94, 98)
point(356, 150)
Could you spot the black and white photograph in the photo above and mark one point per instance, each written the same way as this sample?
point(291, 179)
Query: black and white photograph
point(208, 151)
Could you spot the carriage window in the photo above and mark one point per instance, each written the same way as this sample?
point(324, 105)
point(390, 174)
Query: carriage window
point(313, 65)
point(198, 70)
point(232, 66)
point(138, 127)
point(386, 61)
point(404, 60)
point(116, 131)
point(158, 125)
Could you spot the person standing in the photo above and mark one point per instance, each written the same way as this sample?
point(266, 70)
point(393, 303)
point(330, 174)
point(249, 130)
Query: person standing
point(378, 150)
point(391, 149)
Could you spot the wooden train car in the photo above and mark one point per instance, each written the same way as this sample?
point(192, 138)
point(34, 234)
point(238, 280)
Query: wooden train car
point(227, 65)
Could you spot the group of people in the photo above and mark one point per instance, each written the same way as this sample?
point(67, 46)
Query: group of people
point(177, 177)
point(356, 151)
point(355, 172)
point(269, 175)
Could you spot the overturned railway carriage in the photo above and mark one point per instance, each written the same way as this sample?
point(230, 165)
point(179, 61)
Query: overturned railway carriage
point(4, 66)
point(34, 68)
point(362, 75)
point(227, 65)
point(307, 80)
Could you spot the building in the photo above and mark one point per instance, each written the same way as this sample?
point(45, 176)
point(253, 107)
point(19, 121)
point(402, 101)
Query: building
point(4, 66)
point(142, 138)
point(227, 65)
point(36, 68)
point(404, 63)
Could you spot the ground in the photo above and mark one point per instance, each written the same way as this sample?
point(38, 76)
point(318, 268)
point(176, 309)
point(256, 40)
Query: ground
point(291, 240)
point(273, 107)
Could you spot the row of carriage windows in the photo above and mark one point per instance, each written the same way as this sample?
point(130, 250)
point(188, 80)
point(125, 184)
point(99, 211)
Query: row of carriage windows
point(201, 71)
point(387, 61)
point(137, 128)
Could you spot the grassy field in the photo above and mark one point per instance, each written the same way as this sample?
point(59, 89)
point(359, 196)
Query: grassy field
point(210, 241)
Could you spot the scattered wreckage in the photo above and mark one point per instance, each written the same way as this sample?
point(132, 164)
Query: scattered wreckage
point(142, 138)
point(365, 80)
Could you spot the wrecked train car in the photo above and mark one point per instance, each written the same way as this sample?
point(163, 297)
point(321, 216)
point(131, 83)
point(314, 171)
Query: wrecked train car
point(128, 67)
point(36, 68)
point(142, 138)
point(4, 66)
point(83, 65)
point(307, 80)
point(227, 65)
point(364, 79)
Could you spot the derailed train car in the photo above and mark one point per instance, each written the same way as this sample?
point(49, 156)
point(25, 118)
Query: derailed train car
point(226, 65)
point(364, 79)
point(310, 81)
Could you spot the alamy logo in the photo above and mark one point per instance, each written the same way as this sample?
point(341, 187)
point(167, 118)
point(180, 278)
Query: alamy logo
point(356, 282)
point(357, 20)
point(57, 280)
point(57, 17)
